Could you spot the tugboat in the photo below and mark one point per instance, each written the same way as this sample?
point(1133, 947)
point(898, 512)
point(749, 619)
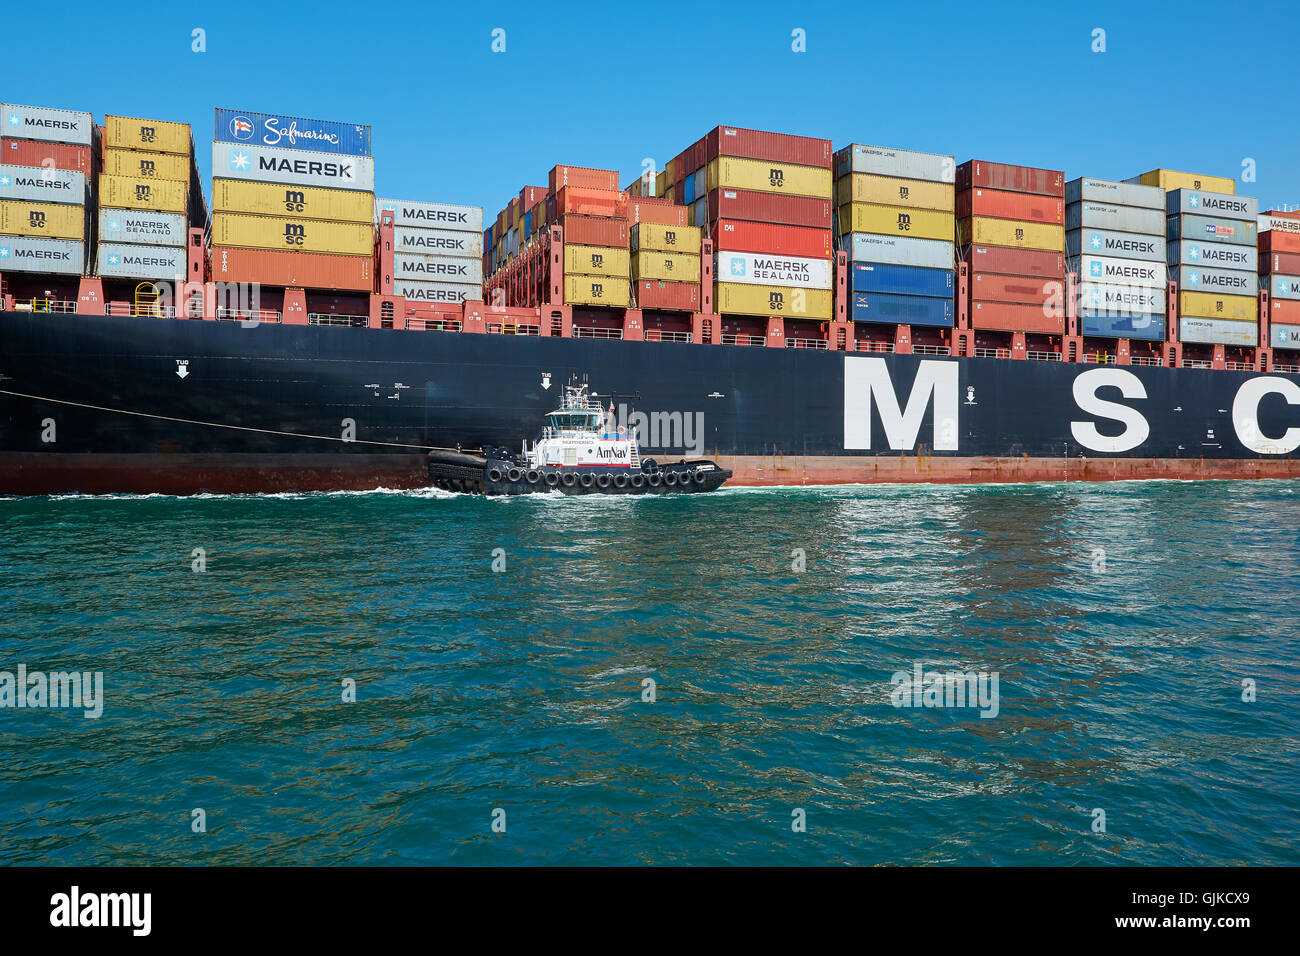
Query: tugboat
point(580, 451)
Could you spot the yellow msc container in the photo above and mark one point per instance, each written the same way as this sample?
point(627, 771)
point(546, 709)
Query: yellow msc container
point(897, 221)
point(728, 172)
point(796, 303)
point(655, 236)
point(597, 290)
point(596, 261)
point(157, 195)
point(1010, 232)
point(138, 164)
point(666, 266)
point(299, 235)
point(159, 136)
point(44, 219)
point(1208, 305)
point(300, 202)
point(888, 191)
point(1172, 179)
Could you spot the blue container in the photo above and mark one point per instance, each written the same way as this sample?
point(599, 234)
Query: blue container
point(1098, 322)
point(292, 132)
point(901, 280)
point(902, 309)
point(528, 224)
point(689, 195)
point(487, 240)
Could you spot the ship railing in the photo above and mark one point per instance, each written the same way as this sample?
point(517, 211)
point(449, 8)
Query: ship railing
point(1239, 366)
point(433, 325)
point(741, 338)
point(339, 319)
point(151, 310)
point(45, 305)
point(798, 343)
point(1147, 360)
point(585, 332)
point(1098, 358)
point(992, 353)
point(1196, 363)
point(511, 328)
point(1039, 356)
point(659, 335)
point(865, 346)
point(247, 315)
point(1286, 369)
point(932, 349)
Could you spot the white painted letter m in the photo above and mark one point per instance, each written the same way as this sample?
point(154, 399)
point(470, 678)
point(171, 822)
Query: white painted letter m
point(867, 380)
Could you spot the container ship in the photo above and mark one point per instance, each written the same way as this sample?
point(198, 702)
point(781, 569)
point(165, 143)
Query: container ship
point(799, 314)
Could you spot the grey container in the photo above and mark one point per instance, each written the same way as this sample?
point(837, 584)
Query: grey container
point(432, 215)
point(36, 184)
point(25, 254)
point(149, 228)
point(457, 269)
point(1210, 229)
point(1222, 205)
point(898, 250)
point(1119, 245)
point(128, 261)
point(1096, 215)
point(45, 124)
point(1214, 255)
point(1114, 193)
point(1226, 281)
point(903, 163)
point(443, 242)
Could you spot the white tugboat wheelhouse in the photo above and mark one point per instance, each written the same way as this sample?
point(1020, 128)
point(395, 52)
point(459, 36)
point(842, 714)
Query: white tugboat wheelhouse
point(579, 434)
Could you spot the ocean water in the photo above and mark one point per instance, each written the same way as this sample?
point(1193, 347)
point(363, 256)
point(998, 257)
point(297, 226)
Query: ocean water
point(1121, 621)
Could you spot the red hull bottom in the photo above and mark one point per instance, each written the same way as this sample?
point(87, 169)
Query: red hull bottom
point(44, 473)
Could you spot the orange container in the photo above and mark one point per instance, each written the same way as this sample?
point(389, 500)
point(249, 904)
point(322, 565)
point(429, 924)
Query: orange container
point(1027, 290)
point(301, 270)
point(1284, 311)
point(1008, 317)
point(583, 178)
point(1027, 207)
point(609, 203)
point(657, 211)
point(23, 152)
point(1274, 241)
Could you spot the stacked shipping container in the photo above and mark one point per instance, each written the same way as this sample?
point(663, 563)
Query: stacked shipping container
point(1279, 271)
point(1010, 229)
point(1213, 256)
point(437, 250)
point(146, 188)
point(592, 211)
point(293, 202)
point(46, 163)
point(666, 268)
point(896, 224)
point(1115, 242)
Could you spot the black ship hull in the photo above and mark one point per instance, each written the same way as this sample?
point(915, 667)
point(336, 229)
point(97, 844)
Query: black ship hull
point(102, 404)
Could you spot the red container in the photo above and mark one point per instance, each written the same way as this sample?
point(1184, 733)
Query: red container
point(594, 231)
point(583, 178)
point(656, 210)
point(1026, 290)
point(23, 152)
point(1008, 317)
point(591, 202)
point(1284, 311)
point(301, 270)
point(530, 196)
point(1019, 179)
point(1274, 241)
point(758, 144)
point(1026, 207)
point(731, 235)
point(1016, 262)
point(679, 296)
point(770, 207)
point(1283, 215)
point(1287, 263)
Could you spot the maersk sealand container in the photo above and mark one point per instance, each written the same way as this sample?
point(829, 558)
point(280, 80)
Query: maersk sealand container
point(292, 132)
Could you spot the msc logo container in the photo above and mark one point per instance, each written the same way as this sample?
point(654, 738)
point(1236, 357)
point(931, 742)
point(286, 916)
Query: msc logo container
point(1009, 232)
point(666, 266)
point(300, 202)
point(596, 290)
point(137, 164)
point(158, 136)
point(662, 238)
point(596, 261)
point(897, 220)
point(274, 232)
point(1207, 305)
point(42, 220)
point(890, 191)
point(730, 173)
point(797, 303)
point(161, 195)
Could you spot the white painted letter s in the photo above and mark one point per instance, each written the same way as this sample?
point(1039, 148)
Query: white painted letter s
point(1136, 430)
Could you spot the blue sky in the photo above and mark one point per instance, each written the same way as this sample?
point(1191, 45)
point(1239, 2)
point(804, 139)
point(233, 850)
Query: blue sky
point(602, 85)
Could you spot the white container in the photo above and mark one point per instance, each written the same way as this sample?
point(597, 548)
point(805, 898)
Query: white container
point(1098, 215)
point(1286, 336)
point(294, 167)
point(903, 163)
point(1218, 332)
point(25, 254)
point(1197, 202)
point(1226, 281)
point(443, 242)
point(1108, 269)
point(45, 124)
point(39, 184)
point(129, 261)
point(1122, 299)
point(1279, 224)
point(149, 228)
point(449, 292)
point(1116, 194)
point(1114, 244)
point(456, 269)
point(1216, 255)
point(756, 268)
point(433, 215)
point(899, 250)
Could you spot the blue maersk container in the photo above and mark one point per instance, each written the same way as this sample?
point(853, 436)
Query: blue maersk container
point(1109, 325)
point(292, 132)
point(901, 280)
point(902, 309)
